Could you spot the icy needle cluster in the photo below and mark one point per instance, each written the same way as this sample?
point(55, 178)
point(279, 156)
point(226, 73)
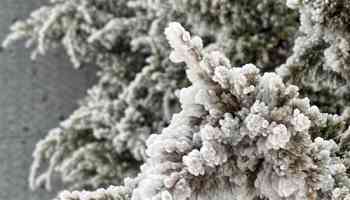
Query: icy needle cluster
point(320, 61)
point(103, 141)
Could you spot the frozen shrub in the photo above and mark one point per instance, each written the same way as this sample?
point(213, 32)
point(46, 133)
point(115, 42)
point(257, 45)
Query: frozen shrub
point(240, 132)
point(103, 141)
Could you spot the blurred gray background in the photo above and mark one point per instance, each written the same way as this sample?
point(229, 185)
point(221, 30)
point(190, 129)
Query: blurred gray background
point(34, 97)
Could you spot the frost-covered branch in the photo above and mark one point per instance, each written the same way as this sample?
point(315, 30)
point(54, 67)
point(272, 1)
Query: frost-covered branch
point(76, 25)
point(111, 193)
point(240, 135)
point(319, 64)
point(259, 32)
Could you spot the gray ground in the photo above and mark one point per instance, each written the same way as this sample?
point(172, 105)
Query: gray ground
point(34, 97)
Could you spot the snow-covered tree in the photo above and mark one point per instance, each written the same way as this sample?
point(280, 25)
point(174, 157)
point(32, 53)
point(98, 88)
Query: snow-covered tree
point(103, 141)
point(240, 130)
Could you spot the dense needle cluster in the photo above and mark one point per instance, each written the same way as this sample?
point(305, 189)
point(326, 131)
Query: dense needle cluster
point(319, 64)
